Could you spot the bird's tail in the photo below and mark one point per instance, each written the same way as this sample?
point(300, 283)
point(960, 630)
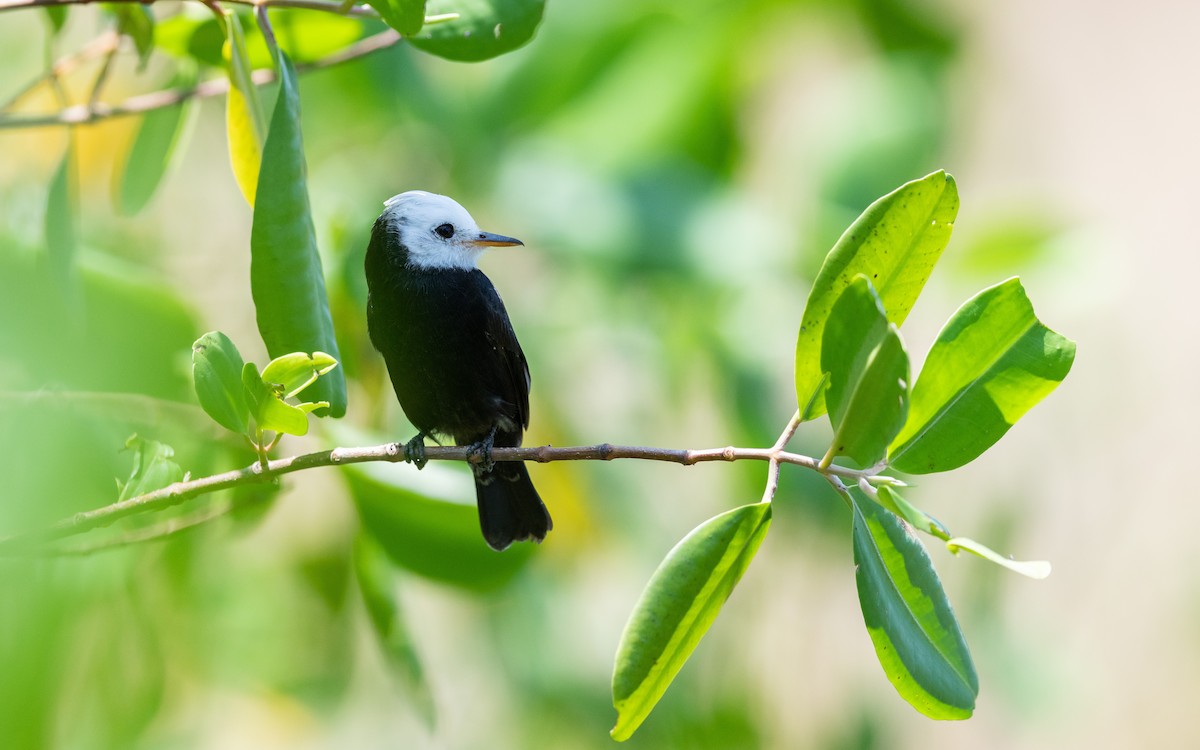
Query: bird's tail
point(510, 509)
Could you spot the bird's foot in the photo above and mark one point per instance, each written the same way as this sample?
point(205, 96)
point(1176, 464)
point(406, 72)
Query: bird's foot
point(483, 449)
point(414, 451)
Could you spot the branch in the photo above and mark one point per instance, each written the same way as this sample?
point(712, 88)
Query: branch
point(176, 493)
point(83, 114)
point(358, 11)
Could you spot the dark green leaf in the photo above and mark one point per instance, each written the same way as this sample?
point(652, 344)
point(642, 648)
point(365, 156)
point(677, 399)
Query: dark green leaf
point(285, 268)
point(909, 618)
point(483, 29)
point(894, 243)
point(217, 372)
point(868, 374)
point(678, 606)
point(245, 122)
point(405, 16)
point(157, 141)
point(270, 412)
point(991, 363)
point(376, 582)
point(153, 468)
point(190, 38)
point(294, 372)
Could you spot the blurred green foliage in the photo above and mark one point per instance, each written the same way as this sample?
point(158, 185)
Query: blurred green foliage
point(677, 170)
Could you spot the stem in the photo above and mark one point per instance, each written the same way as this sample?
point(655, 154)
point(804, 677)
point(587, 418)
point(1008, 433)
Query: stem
point(176, 493)
point(358, 11)
point(84, 114)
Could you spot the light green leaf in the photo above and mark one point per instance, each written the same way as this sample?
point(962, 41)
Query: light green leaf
point(377, 585)
point(991, 363)
point(678, 606)
point(894, 243)
point(245, 122)
point(1036, 569)
point(286, 279)
point(270, 412)
point(153, 468)
point(294, 372)
point(483, 29)
point(217, 368)
point(910, 620)
point(868, 375)
point(151, 154)
point(893, 501)
point(405, 16)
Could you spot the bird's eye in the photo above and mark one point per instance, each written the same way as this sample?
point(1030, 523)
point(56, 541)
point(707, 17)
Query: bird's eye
point(445, 231)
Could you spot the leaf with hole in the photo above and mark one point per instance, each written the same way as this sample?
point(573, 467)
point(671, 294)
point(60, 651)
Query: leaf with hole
point(910, 620)
point(678, 606)
point(991, 363)
point(894, 243)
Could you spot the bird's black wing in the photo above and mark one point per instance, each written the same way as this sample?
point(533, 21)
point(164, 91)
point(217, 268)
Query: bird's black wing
point(515, 370)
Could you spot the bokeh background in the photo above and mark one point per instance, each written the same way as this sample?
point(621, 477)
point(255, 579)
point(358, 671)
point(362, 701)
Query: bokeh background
point(677, 171)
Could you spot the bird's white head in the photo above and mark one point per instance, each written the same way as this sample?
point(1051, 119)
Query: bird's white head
point(437, 231)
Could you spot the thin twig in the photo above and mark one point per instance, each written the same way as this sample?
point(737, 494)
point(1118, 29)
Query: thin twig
point(84, 115)
point(178, 492)
point(328, 6)
point(101, 45)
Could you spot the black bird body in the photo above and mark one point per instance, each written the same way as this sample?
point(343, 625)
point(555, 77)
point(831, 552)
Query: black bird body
point(453, 357)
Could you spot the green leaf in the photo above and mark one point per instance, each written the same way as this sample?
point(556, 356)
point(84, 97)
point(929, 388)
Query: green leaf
point(910, 620)
point(286, 279)
point(245, 122)
point(678, 606)
point(217, 368)
point(991, 363)
point(484, 28)
point(893, 501)
point(868, 375)
point(61, 202)
point(294, 372)
point(153, 468)
point(1036, 569)
point(57, 16)
point(426, 521)
point(135, 21)
point(151, 154)
point(375, 582)
point(270, 412)
point(894, 243)
point(195, 39)
point(405, 16)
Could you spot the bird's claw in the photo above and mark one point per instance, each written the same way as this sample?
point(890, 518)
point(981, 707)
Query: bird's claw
point(483, 449)
point(414, 451)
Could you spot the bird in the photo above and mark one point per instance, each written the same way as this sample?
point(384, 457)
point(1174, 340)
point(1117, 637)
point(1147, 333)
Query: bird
point(451, 352)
